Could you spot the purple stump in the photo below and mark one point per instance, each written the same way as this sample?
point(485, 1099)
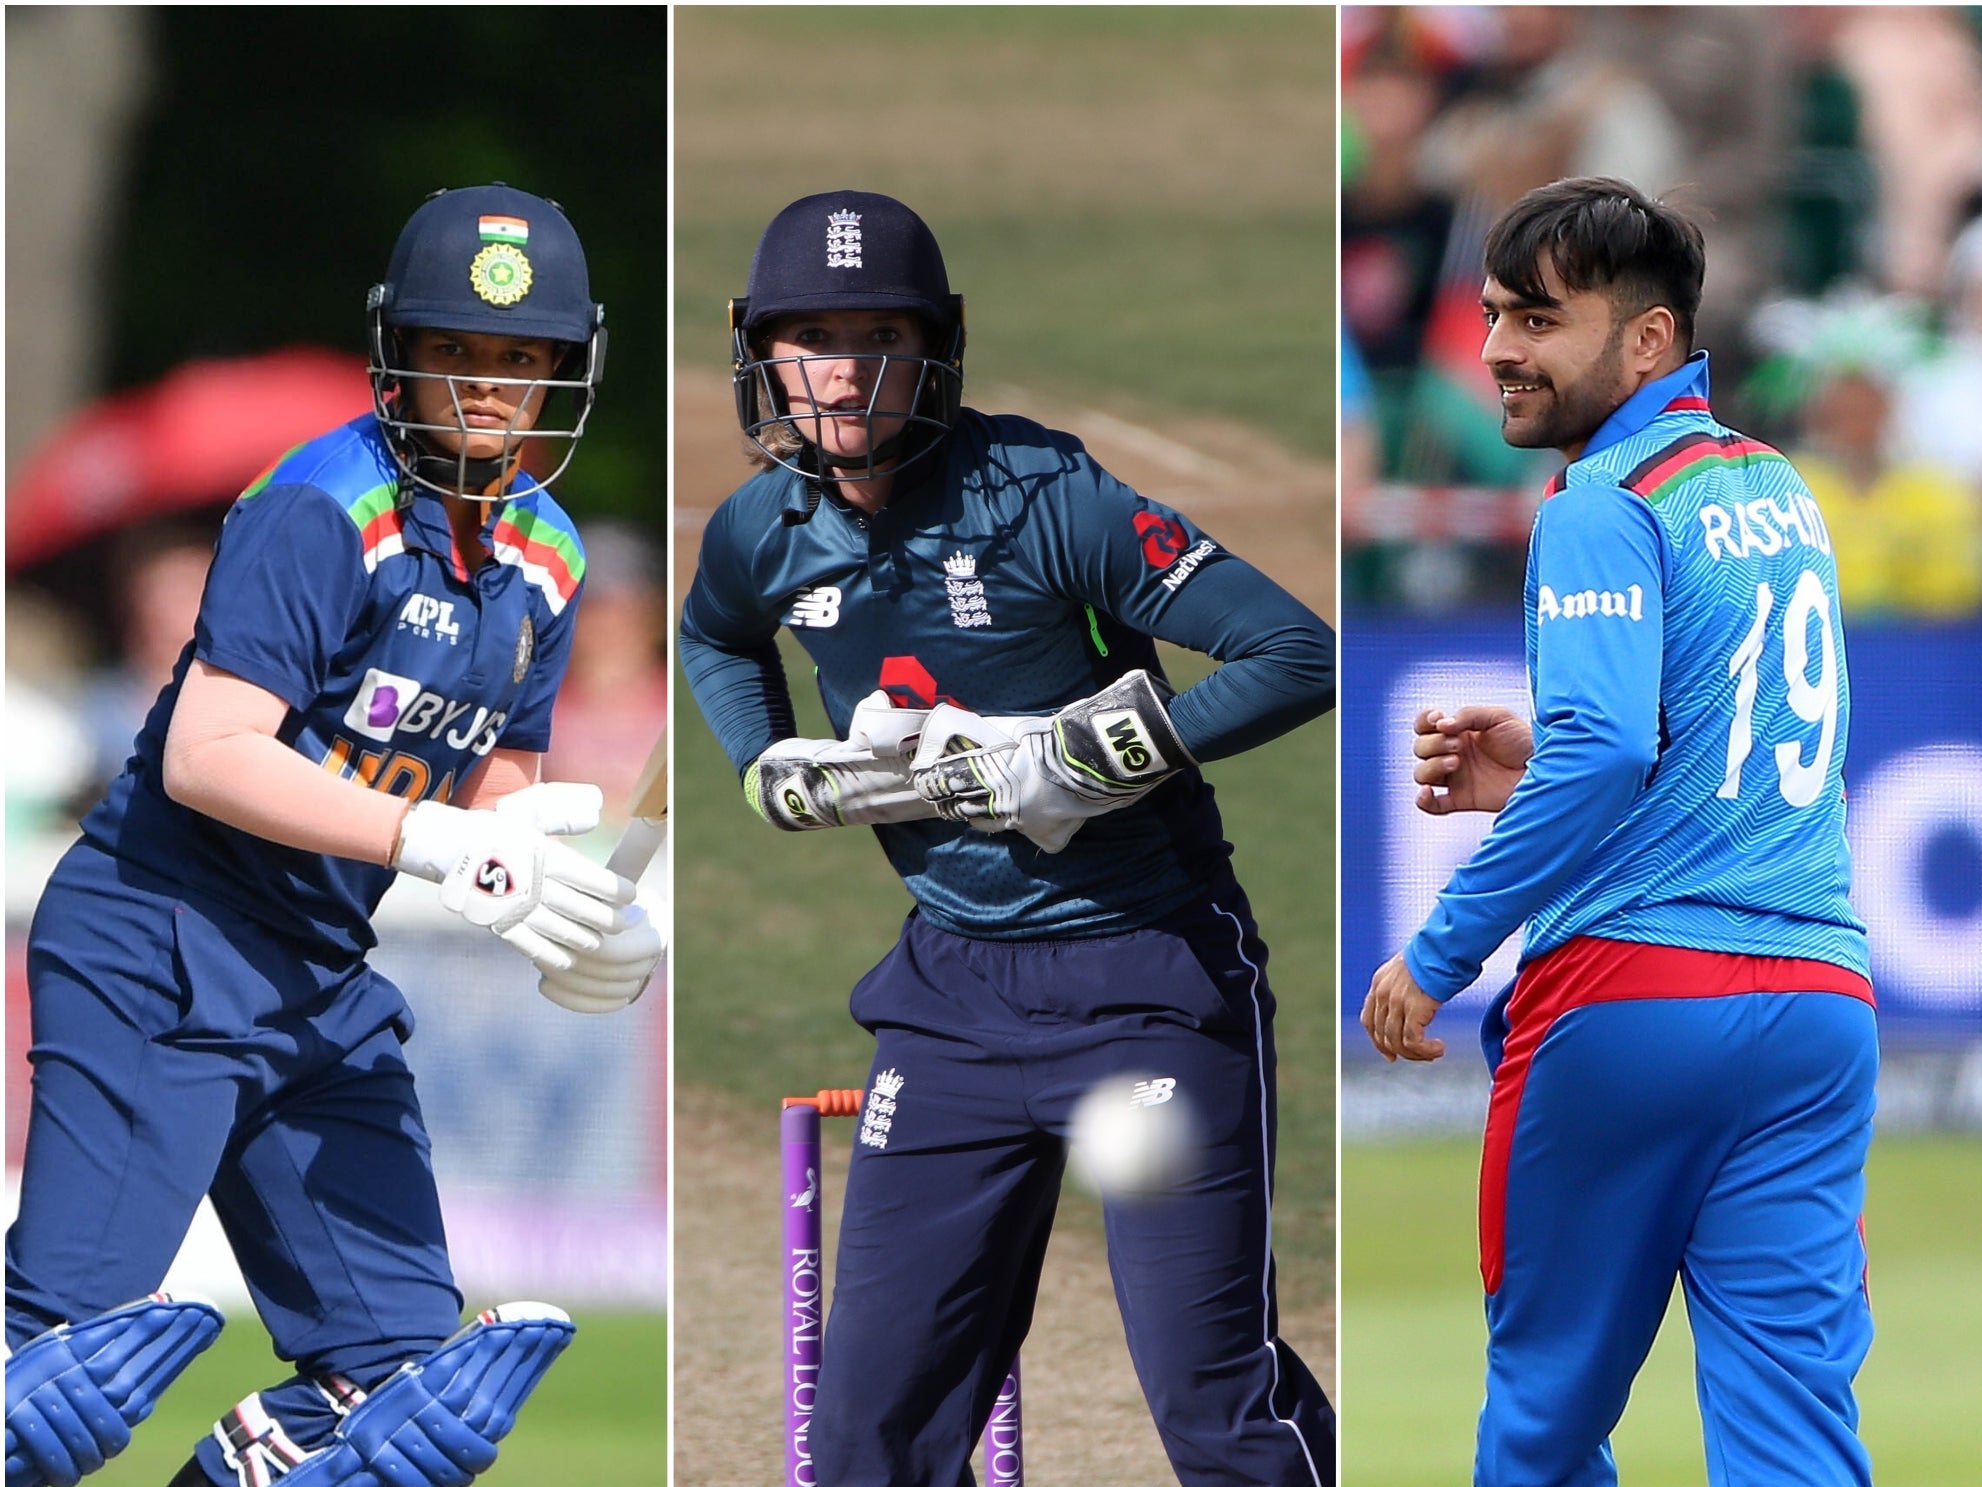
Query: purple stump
point(1004, 1437)
point(805, 1288)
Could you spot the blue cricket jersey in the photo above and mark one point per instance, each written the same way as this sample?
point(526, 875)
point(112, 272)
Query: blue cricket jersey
point(1009, 574)
point(400, 670)
point(1685, 655)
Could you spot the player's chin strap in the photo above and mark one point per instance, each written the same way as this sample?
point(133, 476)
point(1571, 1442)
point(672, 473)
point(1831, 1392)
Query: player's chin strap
point(434, 1423)
point(477, 480)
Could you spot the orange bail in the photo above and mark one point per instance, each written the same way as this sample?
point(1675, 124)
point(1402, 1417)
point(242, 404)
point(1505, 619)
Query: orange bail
point(829, 1101)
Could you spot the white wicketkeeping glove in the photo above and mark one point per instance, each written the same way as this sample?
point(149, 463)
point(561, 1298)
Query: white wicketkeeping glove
point(1045, 777)
point(496, 869)
point(809, 784)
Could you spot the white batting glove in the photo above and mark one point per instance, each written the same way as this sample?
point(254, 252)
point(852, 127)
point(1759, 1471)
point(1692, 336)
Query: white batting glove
point(498, 871)
point(614, 975)
point(556, 807)
point(1045, 777)
point(810, 784)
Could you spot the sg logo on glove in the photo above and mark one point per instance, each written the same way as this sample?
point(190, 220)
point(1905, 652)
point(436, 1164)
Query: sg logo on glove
point(494, 879)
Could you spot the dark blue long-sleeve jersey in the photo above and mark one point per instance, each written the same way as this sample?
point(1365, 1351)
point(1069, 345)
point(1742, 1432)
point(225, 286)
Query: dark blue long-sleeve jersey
point(1010, 574)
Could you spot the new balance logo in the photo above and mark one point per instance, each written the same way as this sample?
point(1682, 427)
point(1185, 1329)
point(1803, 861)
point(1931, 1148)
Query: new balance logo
point(816, 608)
point(1152, 1091)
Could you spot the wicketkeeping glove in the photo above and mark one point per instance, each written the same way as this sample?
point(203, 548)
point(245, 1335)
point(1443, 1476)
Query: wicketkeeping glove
point(1044, 777)
point(809, 784)
point(498, 870)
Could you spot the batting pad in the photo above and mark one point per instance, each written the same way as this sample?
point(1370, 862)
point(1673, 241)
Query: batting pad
point(75, 1393)
point(435, 1423)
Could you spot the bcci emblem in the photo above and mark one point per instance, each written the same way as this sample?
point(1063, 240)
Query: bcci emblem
point(526, 645)
point(501, 274)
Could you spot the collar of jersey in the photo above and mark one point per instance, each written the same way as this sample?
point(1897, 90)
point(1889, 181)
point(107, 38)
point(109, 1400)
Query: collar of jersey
point(908, 485)
point(1649, 401)
point(424, 523)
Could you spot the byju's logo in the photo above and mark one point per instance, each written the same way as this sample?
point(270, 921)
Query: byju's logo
point(381, 702)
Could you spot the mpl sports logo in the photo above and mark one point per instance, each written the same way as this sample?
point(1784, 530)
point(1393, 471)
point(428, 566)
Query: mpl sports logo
point(1125, 737)
point(430, 618)
point(388, 705)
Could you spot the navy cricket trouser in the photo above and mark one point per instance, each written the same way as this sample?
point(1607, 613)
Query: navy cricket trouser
point(180, 1052)
point(987, 1046)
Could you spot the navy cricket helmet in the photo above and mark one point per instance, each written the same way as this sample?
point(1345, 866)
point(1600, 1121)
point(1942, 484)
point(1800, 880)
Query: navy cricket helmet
point(487, 260)
point(847, 250)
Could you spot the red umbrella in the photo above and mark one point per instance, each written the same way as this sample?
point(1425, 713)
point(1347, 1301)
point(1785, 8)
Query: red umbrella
point(194, 438)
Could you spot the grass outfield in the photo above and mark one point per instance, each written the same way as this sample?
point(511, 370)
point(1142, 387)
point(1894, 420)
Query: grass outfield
point(1412, 1338)
point(595, 1419)
point(775, 933)
point(1137, 203)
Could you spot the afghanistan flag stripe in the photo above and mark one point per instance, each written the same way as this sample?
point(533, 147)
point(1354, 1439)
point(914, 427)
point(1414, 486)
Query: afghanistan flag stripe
point(505, 230)
point(1694, 454)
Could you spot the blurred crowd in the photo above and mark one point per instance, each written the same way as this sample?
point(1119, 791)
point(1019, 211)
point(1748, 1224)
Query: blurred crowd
point(1833, 157)
point(93, 634)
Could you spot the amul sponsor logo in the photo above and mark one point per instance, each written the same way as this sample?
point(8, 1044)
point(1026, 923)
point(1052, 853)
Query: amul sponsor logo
point(1579, 604)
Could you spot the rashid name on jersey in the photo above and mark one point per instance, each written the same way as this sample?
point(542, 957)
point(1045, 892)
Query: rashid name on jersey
point(1686, 659)
point(1011, 575)
point(400, 669)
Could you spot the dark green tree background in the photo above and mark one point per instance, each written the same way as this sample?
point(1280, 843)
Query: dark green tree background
point(282, 149)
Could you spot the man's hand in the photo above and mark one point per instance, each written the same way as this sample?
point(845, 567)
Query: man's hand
point(497, 870)
point(1044, 777)
point(1396, 1013)
point(1477, 755)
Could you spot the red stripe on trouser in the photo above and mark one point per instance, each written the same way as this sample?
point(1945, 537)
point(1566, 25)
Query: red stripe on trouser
point(1587, 971)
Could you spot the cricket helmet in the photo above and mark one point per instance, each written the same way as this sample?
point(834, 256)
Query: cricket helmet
point(847, 250)
point(496, 261)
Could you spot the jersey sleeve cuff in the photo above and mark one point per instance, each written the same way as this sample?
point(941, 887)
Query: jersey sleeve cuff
point(262, 671)
point(1434, 977)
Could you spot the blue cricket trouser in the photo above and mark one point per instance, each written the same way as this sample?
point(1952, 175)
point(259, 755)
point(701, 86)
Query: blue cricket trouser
point(1654, 1121)
point(180, 1051)
point(945, 1225)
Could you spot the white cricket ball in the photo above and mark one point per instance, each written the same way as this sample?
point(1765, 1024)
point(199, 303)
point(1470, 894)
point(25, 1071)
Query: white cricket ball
point(1132, 1137)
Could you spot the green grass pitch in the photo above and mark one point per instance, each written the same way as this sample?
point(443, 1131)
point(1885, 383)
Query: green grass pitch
point(1412, 1335)
point(599, 1417)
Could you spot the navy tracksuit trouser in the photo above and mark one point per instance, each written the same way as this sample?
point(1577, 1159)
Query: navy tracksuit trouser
point(987, 1046)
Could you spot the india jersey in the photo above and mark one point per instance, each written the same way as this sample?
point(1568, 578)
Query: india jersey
point(1686, 660)
point(1009, 574)
point(401, 671)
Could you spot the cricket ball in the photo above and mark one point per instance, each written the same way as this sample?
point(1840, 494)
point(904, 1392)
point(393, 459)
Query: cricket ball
point(1132, 1137)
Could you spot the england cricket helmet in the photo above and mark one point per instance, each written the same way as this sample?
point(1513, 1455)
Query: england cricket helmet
point(847, 250)
point(496, 261)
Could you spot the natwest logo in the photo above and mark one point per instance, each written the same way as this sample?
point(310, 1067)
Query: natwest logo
point(388, 705)
point(1163, 538)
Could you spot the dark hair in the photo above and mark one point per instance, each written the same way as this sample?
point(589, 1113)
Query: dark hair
point(1602, 234)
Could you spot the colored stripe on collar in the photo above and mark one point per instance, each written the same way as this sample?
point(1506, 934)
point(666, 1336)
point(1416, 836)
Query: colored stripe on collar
point(380, 528)
point(548, 555)
point(1695, 454)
